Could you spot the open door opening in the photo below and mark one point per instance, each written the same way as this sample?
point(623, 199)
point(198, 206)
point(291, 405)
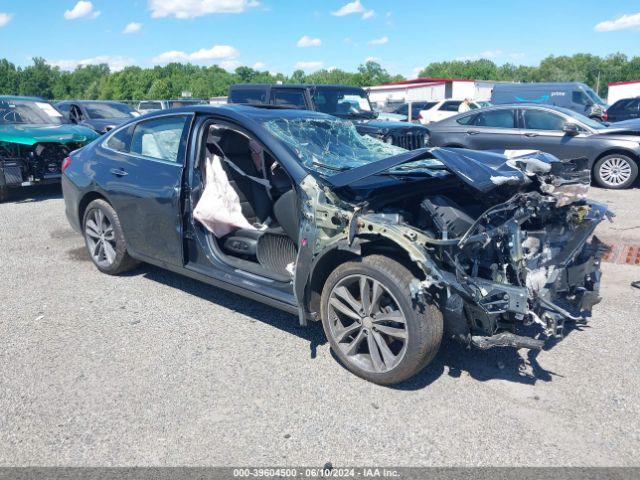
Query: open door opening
point(247, 211)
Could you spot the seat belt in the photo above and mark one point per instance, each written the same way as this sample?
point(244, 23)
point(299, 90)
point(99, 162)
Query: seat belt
point(262, 181)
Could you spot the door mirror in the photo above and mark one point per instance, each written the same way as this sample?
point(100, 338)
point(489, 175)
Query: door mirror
point(571, 129)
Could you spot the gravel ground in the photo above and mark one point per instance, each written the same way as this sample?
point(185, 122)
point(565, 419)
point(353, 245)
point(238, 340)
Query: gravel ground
point(151, 368)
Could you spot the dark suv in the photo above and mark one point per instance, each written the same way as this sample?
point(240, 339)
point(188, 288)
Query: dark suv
point(342, 101)
point(625, 109)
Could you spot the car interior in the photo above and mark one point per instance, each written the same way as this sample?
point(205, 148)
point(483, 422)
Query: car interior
point(267, 201)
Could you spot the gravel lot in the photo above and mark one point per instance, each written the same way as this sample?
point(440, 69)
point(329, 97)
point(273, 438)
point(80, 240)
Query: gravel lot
point(152, 368)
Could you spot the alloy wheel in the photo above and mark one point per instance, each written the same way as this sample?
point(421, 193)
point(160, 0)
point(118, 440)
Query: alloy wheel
point(100, 238)
point(367, 324)
point(615, 171)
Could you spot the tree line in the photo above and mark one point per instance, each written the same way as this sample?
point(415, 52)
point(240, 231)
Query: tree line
point(160, 82)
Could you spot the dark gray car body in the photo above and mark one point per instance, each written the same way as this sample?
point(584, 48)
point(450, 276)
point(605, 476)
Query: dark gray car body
point(76, 112)
point(588, 142)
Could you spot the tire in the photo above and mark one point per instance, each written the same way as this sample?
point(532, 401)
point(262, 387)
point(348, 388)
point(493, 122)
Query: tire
point(4, 193)
point(421, 327)
point(112, 257)
point(616, 171)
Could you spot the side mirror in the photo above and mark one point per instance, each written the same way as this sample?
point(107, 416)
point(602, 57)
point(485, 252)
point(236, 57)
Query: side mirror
point(571, 129)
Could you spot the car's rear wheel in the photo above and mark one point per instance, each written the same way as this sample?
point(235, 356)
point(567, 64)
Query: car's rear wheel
point(374, 324)
point(104, 239)
point(616, 171)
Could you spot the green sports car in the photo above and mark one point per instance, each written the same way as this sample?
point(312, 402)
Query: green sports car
point(34, 141)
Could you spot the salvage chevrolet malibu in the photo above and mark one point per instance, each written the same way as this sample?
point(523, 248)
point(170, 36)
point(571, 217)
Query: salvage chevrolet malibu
point(34, 140)
point(389, 248)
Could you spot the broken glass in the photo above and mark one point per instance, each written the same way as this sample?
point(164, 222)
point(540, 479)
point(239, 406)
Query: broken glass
point(330, 146)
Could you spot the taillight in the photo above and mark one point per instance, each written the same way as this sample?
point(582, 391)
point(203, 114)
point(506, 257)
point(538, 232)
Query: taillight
point(66, 163)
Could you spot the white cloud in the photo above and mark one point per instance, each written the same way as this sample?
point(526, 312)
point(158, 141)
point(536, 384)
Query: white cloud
point(620, 23)
point(379, 41)
point(184, 9)
point(353, 7)
point(133, 27)
point(229, 65)
point(309, 66)
point(5, 18)
point(82, 9)
point(217, 52)
point(371, 59)
point(488, 54)
point(259, 66)
point(307, 41)
point(116, 63)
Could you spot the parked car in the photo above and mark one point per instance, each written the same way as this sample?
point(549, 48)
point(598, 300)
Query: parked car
point(575, 96)
point(436, 111)
point(101, 116)
point(350, 103)
point(148, 106)
point(388, 248)
point(34, 141)
point(416, 107)
point(625, 109)
point(613, 151)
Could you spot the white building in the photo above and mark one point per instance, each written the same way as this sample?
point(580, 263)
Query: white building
point(620, 90)
point(430, 89)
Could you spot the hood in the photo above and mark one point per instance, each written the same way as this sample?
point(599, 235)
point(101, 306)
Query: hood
point(626, 127)
point(32, 134)
point(100, 125)
point(482, 170)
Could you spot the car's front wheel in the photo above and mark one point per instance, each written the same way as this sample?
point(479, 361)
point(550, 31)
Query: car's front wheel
point(616, 171)
point(373, 322)
point(104, 239)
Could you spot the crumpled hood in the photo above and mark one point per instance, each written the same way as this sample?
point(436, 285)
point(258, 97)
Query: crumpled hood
point(482, 170)
point(32, 134)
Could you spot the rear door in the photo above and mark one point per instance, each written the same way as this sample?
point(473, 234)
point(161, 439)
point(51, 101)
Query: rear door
point(495, 130)
point(145, 172)
point(543, 131)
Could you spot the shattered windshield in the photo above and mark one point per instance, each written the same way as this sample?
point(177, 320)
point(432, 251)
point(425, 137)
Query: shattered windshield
point(29, 112)
point(330, 146)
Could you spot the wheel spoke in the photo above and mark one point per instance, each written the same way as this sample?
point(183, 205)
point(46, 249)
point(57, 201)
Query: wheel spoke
point(109, 251)
point(374, 353)
point(92, 229)
point(100, 220)
point(100, 254)
point(108, 233)
point(342, 334)
point(392, 331)
point(365, 295)
point(352, 348)
point(394, 316)
point(387, 355)
point(345, 294)
point(376, 293)
point(342, 308)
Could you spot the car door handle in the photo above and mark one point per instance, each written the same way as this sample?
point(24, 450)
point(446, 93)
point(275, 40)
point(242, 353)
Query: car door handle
point(118, 172)
point(530, 134)
point(473, 132)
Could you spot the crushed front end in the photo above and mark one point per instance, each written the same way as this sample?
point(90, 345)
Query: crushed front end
point(505, 245)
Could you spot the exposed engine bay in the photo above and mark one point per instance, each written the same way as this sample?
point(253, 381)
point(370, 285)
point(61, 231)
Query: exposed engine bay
point(33, 163)
point(504, 243)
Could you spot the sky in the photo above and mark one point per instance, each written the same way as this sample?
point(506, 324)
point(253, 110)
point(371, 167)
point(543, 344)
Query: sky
point(284, 35)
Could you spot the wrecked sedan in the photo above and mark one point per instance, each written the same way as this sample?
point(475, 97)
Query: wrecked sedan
point(34, 141)
point(390, 249)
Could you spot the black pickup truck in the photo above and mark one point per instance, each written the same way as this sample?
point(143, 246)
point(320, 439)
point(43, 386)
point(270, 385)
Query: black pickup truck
point(342, 101)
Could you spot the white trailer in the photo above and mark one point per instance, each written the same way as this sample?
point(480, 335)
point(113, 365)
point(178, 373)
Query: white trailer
point(620, 90)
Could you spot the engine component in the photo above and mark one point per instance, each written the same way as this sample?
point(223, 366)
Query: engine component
point(447, 215)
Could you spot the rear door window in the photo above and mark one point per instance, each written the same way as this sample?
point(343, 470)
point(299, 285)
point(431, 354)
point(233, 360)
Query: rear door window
point(468, 120)
point(160, 138)
point(289, 98)
point(120, 140)
point(542, 120)
point(496, 119)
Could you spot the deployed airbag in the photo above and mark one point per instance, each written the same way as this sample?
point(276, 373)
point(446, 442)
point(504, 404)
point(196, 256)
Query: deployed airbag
point(218, 209)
